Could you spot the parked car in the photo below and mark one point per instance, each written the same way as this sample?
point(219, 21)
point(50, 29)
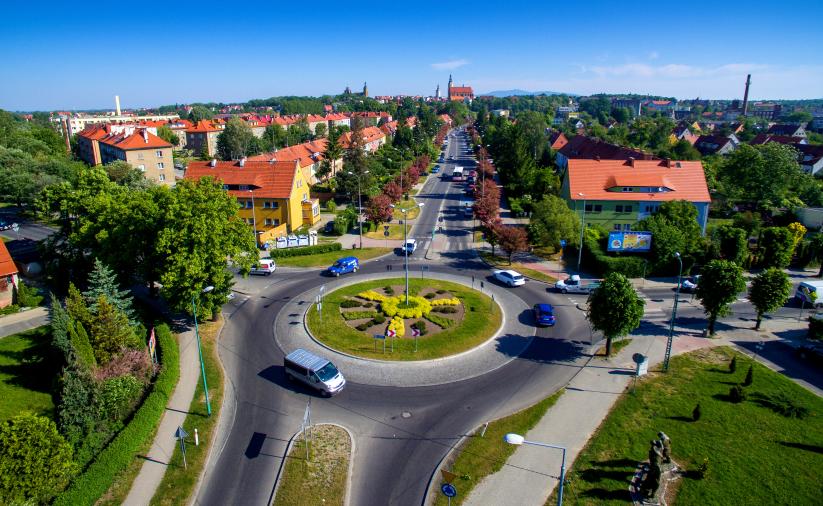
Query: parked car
point(264, 267)
point(313, 370)
point(808, 291)
point(436, 169)
point(573, 284)
point(410, 246)
point(510, 278)
point(544, 314)
point(689, 285)
point(6, 225)
point(812, 352)
point(344, 266)
point(328, 228)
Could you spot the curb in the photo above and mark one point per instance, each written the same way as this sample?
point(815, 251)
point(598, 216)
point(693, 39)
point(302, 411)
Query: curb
point(347, 498)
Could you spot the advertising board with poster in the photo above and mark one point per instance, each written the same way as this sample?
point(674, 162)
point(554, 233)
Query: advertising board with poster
point(630, 241)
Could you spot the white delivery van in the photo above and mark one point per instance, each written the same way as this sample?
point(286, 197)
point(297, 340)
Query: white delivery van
point(316, 372)
point(264, 267)
point(808, 290)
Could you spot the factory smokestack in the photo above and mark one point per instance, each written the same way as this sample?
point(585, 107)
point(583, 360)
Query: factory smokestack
point(746, 94)
point(117, 104)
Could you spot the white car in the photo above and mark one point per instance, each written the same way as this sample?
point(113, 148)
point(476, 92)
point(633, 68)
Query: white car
point(510, 278)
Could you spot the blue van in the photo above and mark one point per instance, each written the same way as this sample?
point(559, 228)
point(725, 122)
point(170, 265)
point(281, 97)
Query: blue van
point(344, 265)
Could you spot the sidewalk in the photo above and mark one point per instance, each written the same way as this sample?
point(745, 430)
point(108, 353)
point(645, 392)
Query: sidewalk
point(24, 320)
point(531, 473)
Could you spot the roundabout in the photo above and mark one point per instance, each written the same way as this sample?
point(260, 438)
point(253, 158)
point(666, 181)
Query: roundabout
point(441, 318)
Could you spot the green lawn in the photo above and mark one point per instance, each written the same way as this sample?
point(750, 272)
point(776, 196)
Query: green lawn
point(756, 456)
point(323, 479)
point(326, 259)
point(478, 325)
point(406, 204)
point(27, 372)
point(482, 456)
point(395, 232)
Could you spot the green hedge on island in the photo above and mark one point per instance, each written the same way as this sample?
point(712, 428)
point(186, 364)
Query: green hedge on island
point(305, 250)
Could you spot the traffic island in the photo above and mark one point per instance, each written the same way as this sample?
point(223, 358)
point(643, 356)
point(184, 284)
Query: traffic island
point(376, 320)
point(323, 478)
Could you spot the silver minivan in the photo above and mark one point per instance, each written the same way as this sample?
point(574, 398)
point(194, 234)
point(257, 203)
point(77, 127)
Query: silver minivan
point(316, 372)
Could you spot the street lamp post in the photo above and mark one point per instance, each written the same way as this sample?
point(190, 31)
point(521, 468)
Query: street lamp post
point(517, 439)
point(405, 240)
point(582, 228)
point(199, 348)
point(674, 315)
point(254, 219)
point(359, 206)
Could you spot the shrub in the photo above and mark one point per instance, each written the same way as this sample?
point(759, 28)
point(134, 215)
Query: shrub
point(815, 328)
point(396, 306)
point(27, 296)
point(350, 303)
point(331, 206)
point(363, 326)
point(429, 296)
point(783, 405)
point(733, 365)
point(749, 377)
point(696, 413)
point(305, 250)
point(379, 319)
point(368, 304)
point(96, 480)
point(371, 295)
point(389, 290)
point(737, 394)
point(358, 315)
point(421, 326)
point(440, 321)
point(444, 309)
point(703, 468)
point(118, 396)
point(396, 324)
point(454, 301)
point(441, 292)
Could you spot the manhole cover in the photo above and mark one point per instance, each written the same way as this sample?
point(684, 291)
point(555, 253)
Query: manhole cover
point(405, 414)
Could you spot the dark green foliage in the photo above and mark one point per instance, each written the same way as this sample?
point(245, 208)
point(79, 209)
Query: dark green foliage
point(110, 331)
point(61, 324)
point(737, 394)
point(358, 315)
point(103, 281)
point(94, 482)
point(815, 329)
point(76, 414)
point(769, 291)
point(388, 290)
point(674, 229)
point(696, 413)
point(782, 404)
point(117, 396)
point(444, 309)
point(440, 321)
point(733, 365)
point(305, 250)
point(552, 221)
point(26, 296)
point(378, 320)
point(441, 292)
point(430, 295)
point(364, 326)
point(749, 377)
point(732, 243)
point(615, 308)
point(720, 283)
point(351, 303)
point(703, 468)
point(35, 461)
point(237, 140)
point(81, 345)
point(368, 304)
point(601, 263)
point(776, 247)
point(421, 326)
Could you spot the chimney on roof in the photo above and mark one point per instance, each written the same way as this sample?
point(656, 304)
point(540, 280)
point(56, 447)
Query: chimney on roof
point(667, 162)
point(145, 136)
point(117, 104)
point(631, 161)
point(597, 157)
point(243, 162)
point(213, 162)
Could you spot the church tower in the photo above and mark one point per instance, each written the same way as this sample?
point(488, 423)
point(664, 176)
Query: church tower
point(365, 90)
point(450, 87)
point(437, 92)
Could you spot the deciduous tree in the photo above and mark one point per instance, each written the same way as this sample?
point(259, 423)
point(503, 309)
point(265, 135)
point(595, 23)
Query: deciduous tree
point(513, 239)
point(236, 140)
point(776, 246)
point(615, 308)
point(769, 291)
point(379, 209)
point(552, 221)
point(732, 243)
point(720, 283)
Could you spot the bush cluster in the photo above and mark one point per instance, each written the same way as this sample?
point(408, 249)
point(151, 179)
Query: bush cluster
point(601, 263)
point(350, 303)
point(444, 309)
point(430, 296)
point(372, 295)
point(379, 319)
point(417, 308)
point(305, 250)
point(358, 315)
point(396, 324)
point(440, 321)
point(421, 326)
point(389, 290)
point(454, 301)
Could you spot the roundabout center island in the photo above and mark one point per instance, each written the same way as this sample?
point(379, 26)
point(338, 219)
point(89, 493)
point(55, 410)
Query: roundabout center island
point(440, 319)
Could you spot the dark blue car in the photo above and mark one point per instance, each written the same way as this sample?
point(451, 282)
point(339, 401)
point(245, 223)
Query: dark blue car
point(344, 266)
point(544, 314)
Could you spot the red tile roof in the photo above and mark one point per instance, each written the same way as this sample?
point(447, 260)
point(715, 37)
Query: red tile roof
point(370, 134)
point(7, 267)
point(306, 153)
point(593, 178)
point(203, 126)
point(781, 139)
point(461, 89)
point(581, 146)
point(267, 179)
point(557, 140)
point(138, 139)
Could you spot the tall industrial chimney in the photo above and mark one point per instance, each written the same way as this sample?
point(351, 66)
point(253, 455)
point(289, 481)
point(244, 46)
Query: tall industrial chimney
point(746, 94)
point(117, 104)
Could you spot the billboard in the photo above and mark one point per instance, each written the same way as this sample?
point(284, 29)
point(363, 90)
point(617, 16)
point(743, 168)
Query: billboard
point(630, 241)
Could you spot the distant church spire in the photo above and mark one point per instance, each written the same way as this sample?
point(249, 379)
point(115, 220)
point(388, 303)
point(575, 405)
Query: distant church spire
point(365, 89)
point(449, 93)
point(437, 91)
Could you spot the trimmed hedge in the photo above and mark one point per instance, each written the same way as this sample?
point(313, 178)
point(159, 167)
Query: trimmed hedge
point(358, 315)
point(602, 263)
point(440, 321)
point(87, 488)
point(305, 250)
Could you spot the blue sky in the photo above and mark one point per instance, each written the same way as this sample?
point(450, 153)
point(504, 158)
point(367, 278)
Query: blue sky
point(76, 55)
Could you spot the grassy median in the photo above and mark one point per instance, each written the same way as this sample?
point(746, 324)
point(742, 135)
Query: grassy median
point(752, 453)
point(326, 259)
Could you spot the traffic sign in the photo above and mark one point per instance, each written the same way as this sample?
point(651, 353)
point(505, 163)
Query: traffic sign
point(386, 233)
point(379, 336)
point(416, 332)
point(448, 490)
point(390, 333)
point(386, 228)
point(562, 243)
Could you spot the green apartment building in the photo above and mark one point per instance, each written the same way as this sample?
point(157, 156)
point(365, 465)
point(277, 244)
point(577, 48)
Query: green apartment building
point(616, 194)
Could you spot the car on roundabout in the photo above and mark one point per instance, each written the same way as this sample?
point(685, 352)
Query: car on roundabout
point(509, 277)
point(544, 315)
point(344, 265)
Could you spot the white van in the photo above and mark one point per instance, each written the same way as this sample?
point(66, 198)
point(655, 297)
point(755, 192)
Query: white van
point(314, 371)
point(264, 267)
point(805, 290)
point(410, 246)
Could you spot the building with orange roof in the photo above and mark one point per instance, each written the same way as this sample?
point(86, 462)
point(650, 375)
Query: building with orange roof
point(138, 145)
point(201, 138)
point(460, 93)
point(273, 195)
point(309, 156)
point(373, 138)
point(617, 193)
point(8, 277)
point(445, 118)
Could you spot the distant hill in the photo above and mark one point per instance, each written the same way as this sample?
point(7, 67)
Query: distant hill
point(513, 93)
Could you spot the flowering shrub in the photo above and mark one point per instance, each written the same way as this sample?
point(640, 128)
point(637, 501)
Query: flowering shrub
point(396, 324)
point(371, 295)
point(417, 308)
point(445, 302)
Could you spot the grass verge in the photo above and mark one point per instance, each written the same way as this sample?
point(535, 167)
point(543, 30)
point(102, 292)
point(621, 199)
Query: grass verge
point(503, 263)
point(27, 373)
point(395, 232)
point(477, 326)
point(755, 456)
point(617, 346)
point(326, 259)
point(479, 457)
point(323, 479)
point(411, 204)
point(178, 483)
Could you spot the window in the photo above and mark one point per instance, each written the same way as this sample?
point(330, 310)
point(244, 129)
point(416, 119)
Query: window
point(588, 208)
point(243, 187)
point(266, 204)
point(161, 177)
point(139, 156)
point(159, 153)
point(276, 222)
point(627, 226)
point(618, 209)
point(249, 204)
point(225, 187)
point(161, 165)
point(617, 226)
point(628, 209)
point(627, 189)
point(598, 208)
point(268, 221)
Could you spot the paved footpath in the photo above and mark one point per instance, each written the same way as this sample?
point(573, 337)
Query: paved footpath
point(24, 320)
point(531, 473)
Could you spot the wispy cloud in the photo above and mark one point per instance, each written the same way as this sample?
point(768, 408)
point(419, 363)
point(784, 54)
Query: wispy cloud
point(654, 55)
point(450, 65)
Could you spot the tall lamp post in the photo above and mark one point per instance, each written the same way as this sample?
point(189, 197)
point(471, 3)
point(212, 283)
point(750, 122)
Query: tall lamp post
point(254, 219)
point(199, 348)
point(359, 205)
point(405, 249)
point(582, 228)
point(517, 439)
point(674, 315)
